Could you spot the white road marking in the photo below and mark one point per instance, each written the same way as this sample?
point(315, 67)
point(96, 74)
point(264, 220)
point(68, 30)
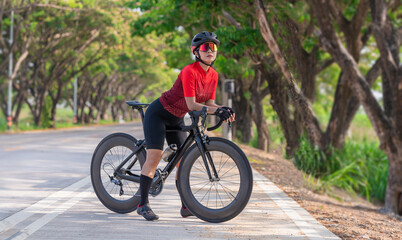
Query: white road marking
point(18, 217)
point(303, 219)
point(35, 226)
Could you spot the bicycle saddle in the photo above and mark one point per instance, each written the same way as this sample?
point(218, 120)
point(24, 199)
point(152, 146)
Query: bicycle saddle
point(137, 105)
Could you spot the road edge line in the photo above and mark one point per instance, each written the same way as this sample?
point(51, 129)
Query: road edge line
point(307, 224)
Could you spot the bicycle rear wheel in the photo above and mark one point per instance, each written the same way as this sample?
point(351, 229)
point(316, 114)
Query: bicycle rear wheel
point(118, 195)
point(223, 198)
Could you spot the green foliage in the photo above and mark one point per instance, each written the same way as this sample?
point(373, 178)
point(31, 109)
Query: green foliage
point(3, 122)
point(312, 160)
point(350, 9)
point(359, 167)
point(46, 114)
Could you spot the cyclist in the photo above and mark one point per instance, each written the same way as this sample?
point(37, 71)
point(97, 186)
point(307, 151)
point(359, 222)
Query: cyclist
point(194, 88)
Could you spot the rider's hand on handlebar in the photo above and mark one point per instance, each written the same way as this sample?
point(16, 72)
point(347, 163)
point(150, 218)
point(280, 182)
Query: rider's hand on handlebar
point(222, 114)
point(232, 113)
point(225, 113)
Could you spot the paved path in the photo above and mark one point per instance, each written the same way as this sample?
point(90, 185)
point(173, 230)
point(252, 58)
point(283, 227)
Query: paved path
point(46, 194)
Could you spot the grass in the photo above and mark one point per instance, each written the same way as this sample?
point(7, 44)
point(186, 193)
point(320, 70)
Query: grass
point(64, 119)
point(359, 167)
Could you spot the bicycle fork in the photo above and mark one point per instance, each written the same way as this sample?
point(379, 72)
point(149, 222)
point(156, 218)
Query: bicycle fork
point(207, 159)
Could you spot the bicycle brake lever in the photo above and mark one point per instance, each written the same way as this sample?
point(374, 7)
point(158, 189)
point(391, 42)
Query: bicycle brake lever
point(204, 117)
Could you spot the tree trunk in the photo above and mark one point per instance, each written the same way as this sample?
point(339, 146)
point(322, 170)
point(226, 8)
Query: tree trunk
point(341, 116)
point(244, 120)
point(303, 106)
point(55, 101)
point(291, 127)
point(257, 95)
point(393, 195)
point(388, 43)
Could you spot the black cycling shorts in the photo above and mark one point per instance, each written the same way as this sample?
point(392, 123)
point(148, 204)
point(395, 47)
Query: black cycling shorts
point(156, 120)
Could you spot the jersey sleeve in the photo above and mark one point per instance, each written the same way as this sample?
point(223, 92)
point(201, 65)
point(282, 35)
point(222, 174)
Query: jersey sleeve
point(188, 82)
point(214, 84)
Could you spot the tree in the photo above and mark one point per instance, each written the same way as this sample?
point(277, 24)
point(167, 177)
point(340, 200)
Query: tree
point(387, 122)
point(59, 40)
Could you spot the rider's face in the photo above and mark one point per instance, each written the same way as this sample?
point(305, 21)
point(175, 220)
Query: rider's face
point(208, 56)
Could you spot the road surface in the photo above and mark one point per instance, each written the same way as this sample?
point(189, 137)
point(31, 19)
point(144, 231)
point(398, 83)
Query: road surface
point(45, 193)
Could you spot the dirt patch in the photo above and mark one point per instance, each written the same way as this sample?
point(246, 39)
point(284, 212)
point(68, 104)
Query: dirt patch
point(347, 217)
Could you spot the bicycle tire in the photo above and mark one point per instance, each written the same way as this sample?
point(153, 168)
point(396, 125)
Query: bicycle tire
point(110, 152)
point(194, 181)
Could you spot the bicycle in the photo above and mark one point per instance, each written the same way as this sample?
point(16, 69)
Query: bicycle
point(215, 179)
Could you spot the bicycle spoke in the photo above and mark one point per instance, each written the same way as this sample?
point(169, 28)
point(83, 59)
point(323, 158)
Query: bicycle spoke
point(218, 195)
point(232, 183)
point(128, 185)
point(195, 184)
point(125, 152)
point(209, 194)
point(220, 162)
point(231, 176)
point(114, 157)
point(201, 162)
point(201, 177)
point(228, 191)
point(223, 163)
point(201, 188)
point(228, 170)
point(201, 169)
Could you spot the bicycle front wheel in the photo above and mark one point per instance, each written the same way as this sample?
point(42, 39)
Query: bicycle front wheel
point(119, 195)
point(221, 198)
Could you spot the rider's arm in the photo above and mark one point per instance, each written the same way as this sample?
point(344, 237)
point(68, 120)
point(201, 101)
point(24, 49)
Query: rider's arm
point(194, 106)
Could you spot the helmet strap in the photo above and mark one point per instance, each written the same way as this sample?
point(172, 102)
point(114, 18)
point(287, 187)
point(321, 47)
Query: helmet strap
point(198, 59)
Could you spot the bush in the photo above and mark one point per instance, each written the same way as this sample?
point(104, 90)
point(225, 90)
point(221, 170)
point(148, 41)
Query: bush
point(360, 168)
point(3, 122)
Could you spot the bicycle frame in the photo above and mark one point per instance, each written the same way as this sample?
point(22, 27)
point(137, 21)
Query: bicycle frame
point(194, 136)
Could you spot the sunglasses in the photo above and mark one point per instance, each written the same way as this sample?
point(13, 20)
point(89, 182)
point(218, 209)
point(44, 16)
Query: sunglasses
point(205, 46)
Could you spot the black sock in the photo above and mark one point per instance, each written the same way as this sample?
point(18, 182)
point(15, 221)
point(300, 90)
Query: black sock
point(145, 185)
point(182, 204)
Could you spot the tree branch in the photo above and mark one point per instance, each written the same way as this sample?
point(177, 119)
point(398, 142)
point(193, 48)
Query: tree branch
point(338, 15)
point(349, 66)
point(303, 106)
point(231, 20)
point(360, 16)
point(326, 64)
point(374, 72)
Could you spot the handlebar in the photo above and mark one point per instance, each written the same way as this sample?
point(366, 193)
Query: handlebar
point(195, 115)
point(216, 126)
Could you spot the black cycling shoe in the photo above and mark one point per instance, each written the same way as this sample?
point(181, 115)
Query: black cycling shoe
point(185, 212)
point(147, 212)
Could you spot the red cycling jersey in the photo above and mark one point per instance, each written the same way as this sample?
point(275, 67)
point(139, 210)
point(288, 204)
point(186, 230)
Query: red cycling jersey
point(192, 81)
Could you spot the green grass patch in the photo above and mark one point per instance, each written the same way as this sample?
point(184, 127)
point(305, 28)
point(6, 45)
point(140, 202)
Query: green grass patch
point(64, 119)
point(359, 167)
point(254, 160)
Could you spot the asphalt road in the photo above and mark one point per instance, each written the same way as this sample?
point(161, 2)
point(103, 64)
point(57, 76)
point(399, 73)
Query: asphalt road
point(45, 193)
